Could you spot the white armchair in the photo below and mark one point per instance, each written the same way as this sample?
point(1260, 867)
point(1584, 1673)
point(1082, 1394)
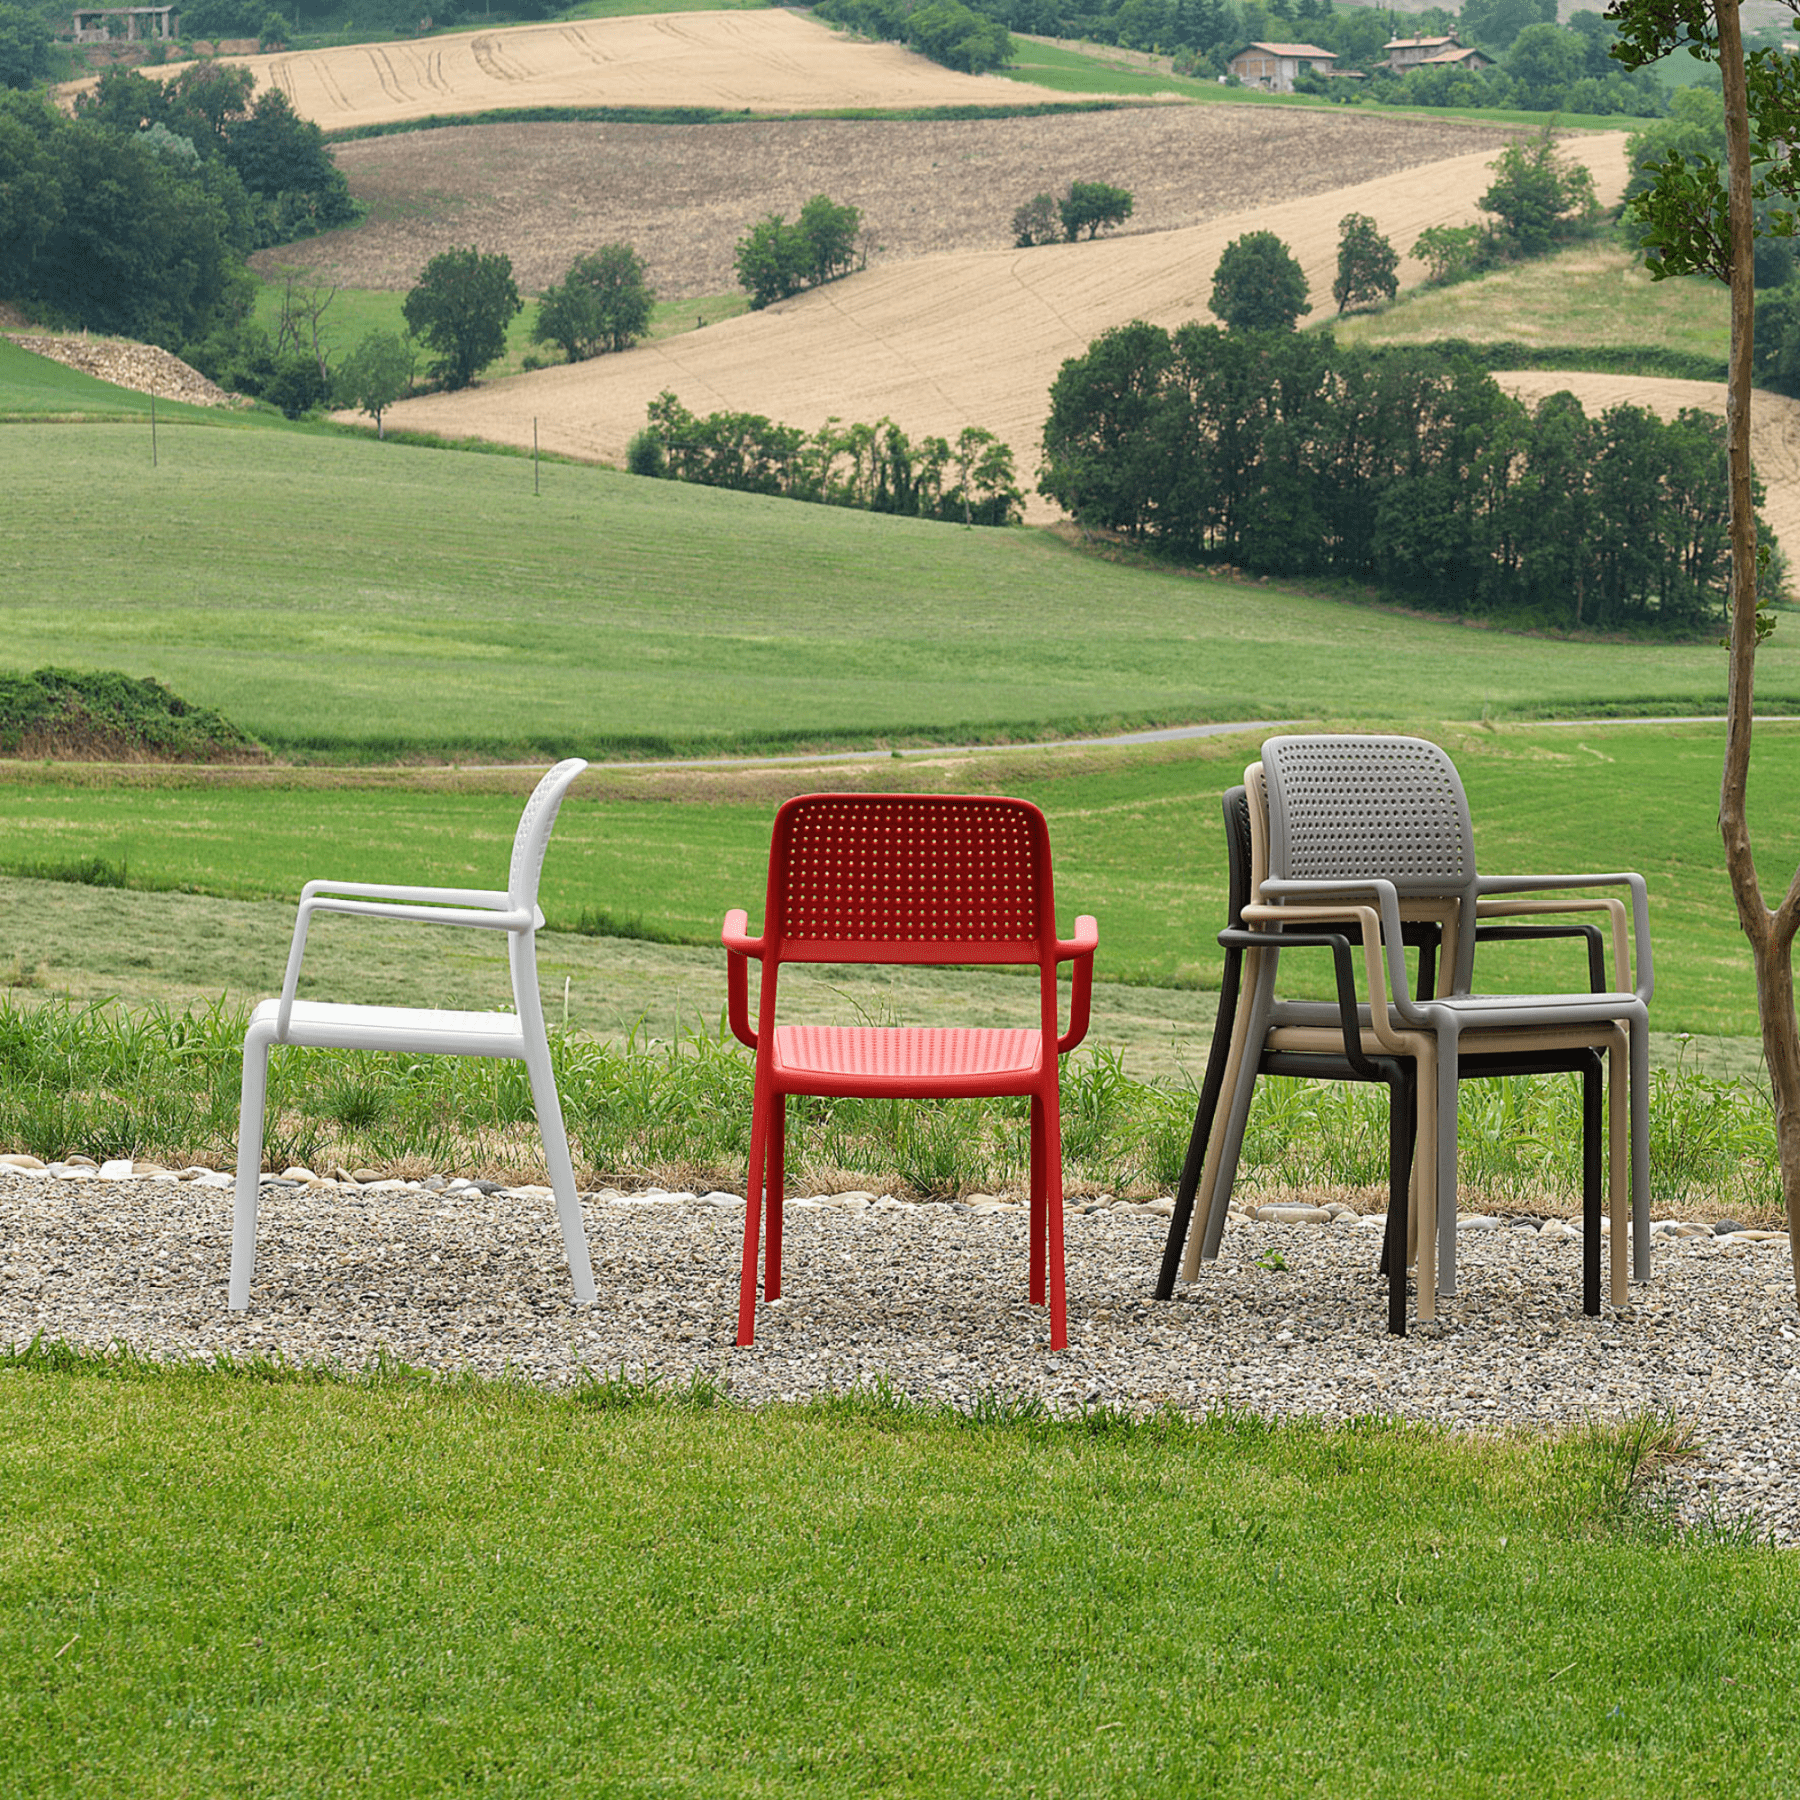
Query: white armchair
point(518, 1034)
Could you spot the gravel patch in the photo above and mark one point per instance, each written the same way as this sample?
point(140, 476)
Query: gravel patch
point(931, 1298)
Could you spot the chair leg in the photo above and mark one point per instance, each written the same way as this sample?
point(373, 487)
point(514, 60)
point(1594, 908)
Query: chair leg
point(1424, 1193)
point(1053, 1219)
point(1617, 1158)
point(1204, 1113)
point(1590, 1186)
point(1444, 1216)
point(759, 1125)
point(1403, 1125)
point(562, 1170)
point(1640, 1150)
point(1038, 1225)
point(773, 1188)
point(251, 1102)
point(1240, 1083)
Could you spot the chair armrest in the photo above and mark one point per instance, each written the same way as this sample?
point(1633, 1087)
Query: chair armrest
point(1613, 907)
point(488, 899)
point(519, 919)
point(1339, 945)
point(1487, 885)
point(740, 946)
point(1080, 951)
point(1382, 935)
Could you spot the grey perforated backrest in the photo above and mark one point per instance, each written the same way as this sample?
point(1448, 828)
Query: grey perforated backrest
point(532, 838)
point(1351, 808)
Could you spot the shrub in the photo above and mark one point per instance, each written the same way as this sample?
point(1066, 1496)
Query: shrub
point(1451, 253)
point(775, 259)
point(602, 303)
point(1036, 222)
point(645, 455)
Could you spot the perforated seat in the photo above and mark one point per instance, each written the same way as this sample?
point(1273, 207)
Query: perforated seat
point(906, 879)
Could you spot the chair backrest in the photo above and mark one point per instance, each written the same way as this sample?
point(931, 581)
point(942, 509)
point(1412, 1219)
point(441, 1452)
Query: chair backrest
point(1237, 855)
point(1353, 808)
point(532, 838)
point(923, 878)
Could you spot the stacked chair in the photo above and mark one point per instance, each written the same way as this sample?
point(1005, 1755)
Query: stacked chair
point(1366, 842)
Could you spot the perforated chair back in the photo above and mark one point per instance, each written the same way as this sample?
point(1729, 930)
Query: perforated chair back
point(925, 878)
point(532, 838)
point(1357, 808)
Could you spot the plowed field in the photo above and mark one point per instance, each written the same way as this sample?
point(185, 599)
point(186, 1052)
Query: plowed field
point(684, 194)
point(757, 61)
point(940, 342)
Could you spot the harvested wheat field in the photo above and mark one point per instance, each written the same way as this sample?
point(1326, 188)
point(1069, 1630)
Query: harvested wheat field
point(748, 61)
point(682, 195)
point(1774, 426)
point(941, 342)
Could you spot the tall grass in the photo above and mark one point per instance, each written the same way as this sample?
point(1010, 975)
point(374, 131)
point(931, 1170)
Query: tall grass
point(162, 1084)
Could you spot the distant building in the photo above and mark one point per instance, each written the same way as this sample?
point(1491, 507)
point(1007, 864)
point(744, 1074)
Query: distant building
point(1408, 53)
point(1457, 57)
point(1274, 67)
point(141, 22)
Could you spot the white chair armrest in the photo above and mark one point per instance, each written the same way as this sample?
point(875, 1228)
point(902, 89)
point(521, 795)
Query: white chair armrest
point(469, 916)
point(489, 899)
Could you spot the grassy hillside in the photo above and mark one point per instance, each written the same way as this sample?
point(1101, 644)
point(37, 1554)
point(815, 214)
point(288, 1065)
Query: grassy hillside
point(1136, 836)
point(346, 598)
point(1594, 294)
point(36, 388)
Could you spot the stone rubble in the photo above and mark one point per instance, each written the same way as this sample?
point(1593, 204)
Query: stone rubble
point(144, 368)
point(456, 1274)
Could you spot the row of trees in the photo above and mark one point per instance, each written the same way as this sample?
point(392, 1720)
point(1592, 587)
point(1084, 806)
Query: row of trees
point(775, 258)
point(874, 467)
point(948, 31)
point(1283, 454)
point(1090, 206)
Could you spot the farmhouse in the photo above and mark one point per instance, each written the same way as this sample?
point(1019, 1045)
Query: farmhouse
point(1273, 67)
point(1457, 57)
point(1408, 53)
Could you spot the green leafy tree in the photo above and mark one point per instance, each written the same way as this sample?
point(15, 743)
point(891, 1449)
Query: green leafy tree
point(603, 303)
point(1367, 266)
point(1496, 23)
point(1451, 252)
point(376, 373)
point(1699, 219)
point(1258, 286)
point(830, 234)
point(1091, 206)
point(25, 54)
point(460, 309)
point(1538, 197)
point(957, 36)
point(1036, 222)
point(771, 261)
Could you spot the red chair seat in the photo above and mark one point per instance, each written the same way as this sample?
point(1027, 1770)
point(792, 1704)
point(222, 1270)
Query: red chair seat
point(882, 1060)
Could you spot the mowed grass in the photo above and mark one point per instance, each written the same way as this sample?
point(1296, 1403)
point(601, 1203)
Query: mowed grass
point(1594, 294)
point(1136, 836)
point(349, 599)
point(224, 1585)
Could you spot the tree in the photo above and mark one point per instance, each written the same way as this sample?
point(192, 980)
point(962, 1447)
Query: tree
point(1496, 23)
point(1537, 195)
point(1451, 252)
point(1258, 286)
point(24, 48)
point(1696, 224)
point(1036, 222)
point(603, 303)
point(775, 259)
point(829, 231)
point(951, 33)
point(1089, 205)
point(1367, 264)
point(376, 374)
point(461, 308)
point(771, 260)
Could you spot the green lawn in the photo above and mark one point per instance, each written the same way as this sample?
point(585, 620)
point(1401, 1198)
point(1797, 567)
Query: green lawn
point(345, 598)
point(280, 1587)
point(1591, 295)
point(1136, 836)
point(34, 388)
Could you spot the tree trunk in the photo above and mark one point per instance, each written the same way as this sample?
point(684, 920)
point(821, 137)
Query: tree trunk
point(1771, 934)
